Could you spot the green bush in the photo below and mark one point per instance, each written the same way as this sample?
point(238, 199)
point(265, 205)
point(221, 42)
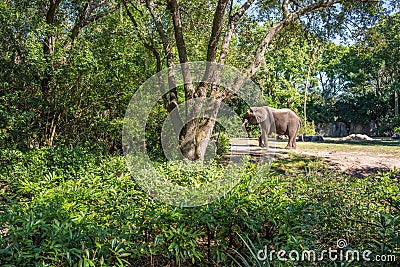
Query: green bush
point(307, 129)
point(68, 207)
point(389, 125)
point(223, 143)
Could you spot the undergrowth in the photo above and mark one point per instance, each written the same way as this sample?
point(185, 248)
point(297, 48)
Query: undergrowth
point(68, 207)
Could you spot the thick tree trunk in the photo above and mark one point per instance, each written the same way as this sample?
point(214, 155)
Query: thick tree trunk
point(198, 140)
point(197, 132)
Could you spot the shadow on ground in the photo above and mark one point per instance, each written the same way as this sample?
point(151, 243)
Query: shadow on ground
point(390, 143)
point(354, 163)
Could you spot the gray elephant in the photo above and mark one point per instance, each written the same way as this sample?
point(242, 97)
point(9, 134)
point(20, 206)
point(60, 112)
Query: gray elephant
point(281, 121)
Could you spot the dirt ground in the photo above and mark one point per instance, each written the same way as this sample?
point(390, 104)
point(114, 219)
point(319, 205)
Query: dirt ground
point(357, 158)
point(357, 163)
point(353, 157)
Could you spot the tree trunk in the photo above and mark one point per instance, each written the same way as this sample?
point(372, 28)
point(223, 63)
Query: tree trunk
point(396, 102)
point(48, 49)
point(51, 114)
point(197, 131)
point(196, 140)
point(48, 113)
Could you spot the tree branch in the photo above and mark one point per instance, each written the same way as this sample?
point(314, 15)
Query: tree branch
point(288, 17)
point(216, 91)
point(180, 44)
point(178, 30)
point(151, 48)
point(48, 48)
point(85, 17)
point(285, 8)
point(216, 30)
point(161, 31)
point(286, 20)
point(100, 15)
point(312, 7)
point(172, 106)
point(233, 20)
point(173, 100)
point(201, 90)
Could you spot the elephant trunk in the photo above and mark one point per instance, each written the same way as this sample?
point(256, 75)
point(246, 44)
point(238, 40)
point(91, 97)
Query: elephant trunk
point(245, 121)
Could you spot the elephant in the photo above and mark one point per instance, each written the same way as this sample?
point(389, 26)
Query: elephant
point(285, 122)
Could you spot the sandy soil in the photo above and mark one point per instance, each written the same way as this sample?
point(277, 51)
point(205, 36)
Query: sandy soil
point(349, 157)
point(357, 162)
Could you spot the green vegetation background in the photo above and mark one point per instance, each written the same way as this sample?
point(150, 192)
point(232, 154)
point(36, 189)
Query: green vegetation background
point(67, 199)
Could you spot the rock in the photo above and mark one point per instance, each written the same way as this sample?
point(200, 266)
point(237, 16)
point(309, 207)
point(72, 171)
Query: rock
point(281, 137)
point(359, 128)
point(310, 138)
point(336, 129)
point(304, 138)
point(396, 136)
point(357, 137)
point(341, 129)
point(317, 138)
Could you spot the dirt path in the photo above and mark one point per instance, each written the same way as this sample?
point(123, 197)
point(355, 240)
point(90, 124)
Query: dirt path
point(357, 158)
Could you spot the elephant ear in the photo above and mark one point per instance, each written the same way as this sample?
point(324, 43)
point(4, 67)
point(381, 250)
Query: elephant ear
point(260, 113)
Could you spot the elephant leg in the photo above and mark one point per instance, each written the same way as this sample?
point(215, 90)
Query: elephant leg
point(263, 139)
point(292, 138)
point(260, 144)
point(291, 143)
point(288, 146)
point(294, 141)
point(294, 135)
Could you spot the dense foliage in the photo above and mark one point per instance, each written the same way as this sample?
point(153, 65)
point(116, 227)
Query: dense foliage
point(68, 207)
point(67, 72)
point(66, 78)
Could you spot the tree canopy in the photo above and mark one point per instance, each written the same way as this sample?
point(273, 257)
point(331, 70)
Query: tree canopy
point(75, 64)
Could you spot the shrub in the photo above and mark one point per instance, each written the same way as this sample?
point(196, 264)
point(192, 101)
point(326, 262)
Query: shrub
point(307, 129)
point(67, 207)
